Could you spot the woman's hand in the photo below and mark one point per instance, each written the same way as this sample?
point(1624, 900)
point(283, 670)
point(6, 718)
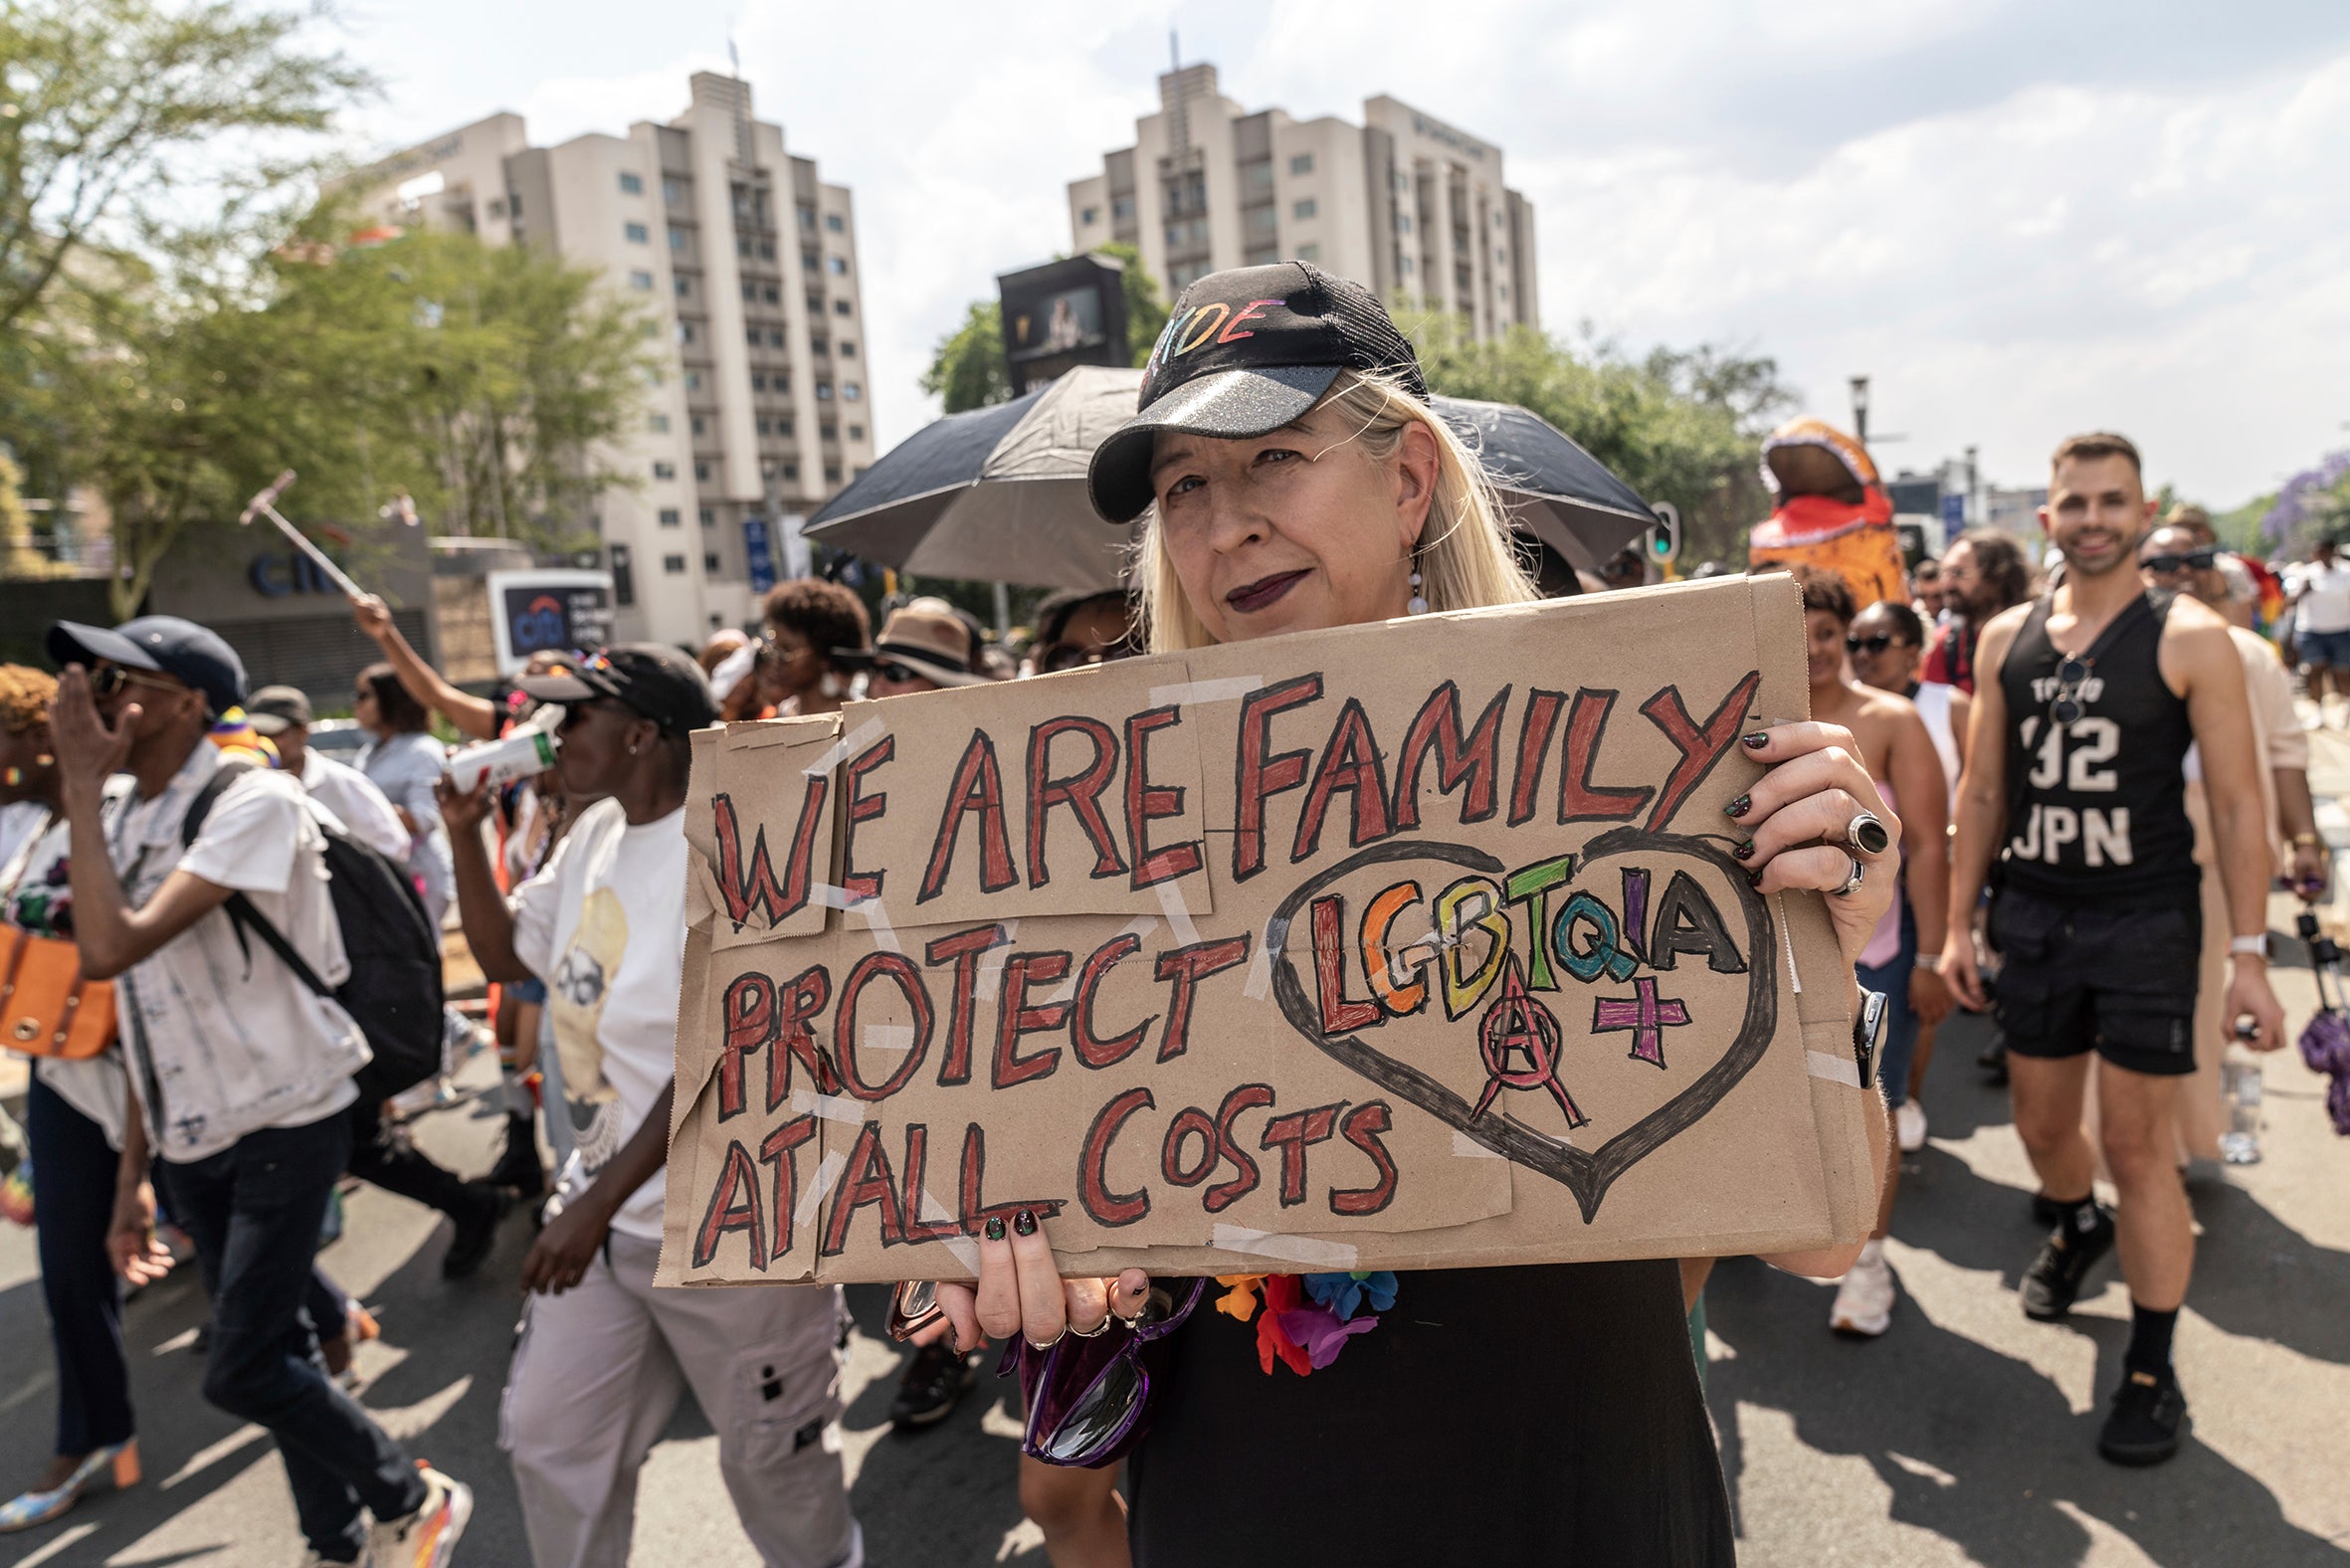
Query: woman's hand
point(1799, 812)
point(372, 615)
point(132, 1244)
point(1021, 1291)
point(461, 811)
point(1929, 997)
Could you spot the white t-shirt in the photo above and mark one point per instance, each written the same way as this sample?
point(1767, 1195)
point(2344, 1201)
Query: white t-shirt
point(225, 1039)
point(604, 925)
point(404, 768)
point(2325, 595)
point(36, 896)
point(357, 803)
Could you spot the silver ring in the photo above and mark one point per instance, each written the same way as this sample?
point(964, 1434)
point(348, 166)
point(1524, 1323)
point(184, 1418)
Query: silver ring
point(1851, 883)
point(1867, 832)
point(1096, 1331)
point(1048, 1344)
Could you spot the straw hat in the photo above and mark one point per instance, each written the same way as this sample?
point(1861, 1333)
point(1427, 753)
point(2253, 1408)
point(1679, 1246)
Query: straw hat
point(933, 643)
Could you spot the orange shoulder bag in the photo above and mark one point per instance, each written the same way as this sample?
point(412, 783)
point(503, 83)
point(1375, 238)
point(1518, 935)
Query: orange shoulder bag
point(46, 1008)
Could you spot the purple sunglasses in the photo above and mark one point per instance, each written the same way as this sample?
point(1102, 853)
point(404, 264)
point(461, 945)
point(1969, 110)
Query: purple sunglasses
point(1089, 1400)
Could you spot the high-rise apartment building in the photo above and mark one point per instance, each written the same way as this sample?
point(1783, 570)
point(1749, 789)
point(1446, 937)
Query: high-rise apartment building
point(1403, 203)
point(746, 260)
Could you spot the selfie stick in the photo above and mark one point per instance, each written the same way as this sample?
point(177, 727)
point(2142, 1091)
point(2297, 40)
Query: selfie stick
point(266, 503)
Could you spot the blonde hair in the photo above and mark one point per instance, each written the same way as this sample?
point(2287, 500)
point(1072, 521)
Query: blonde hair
point(1466, 559)
point(25, 695)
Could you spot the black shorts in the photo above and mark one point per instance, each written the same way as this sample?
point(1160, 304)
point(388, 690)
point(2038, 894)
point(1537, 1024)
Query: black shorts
point(2077, 976)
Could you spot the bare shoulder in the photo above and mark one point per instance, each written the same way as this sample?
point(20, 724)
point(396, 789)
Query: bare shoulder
point(1999, 635)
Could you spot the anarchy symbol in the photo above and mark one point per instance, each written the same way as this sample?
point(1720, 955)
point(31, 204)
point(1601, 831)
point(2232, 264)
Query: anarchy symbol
point(1518, 1039)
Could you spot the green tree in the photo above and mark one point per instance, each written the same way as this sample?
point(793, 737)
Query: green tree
point(968, 369)
point(479, 380)
point(114, 114)
point(1683, 426)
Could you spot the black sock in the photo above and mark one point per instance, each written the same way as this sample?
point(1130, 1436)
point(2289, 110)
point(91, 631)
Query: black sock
point(2075, 1218)
point(2150, 1340)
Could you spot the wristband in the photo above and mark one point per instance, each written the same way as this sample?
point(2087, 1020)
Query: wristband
point(2249, 946)
point(2306, 840)
point(1931, 963)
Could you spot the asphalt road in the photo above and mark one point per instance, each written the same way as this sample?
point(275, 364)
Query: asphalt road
point(1965, 1435)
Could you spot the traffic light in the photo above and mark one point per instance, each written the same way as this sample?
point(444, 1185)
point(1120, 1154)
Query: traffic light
point(1661, 543)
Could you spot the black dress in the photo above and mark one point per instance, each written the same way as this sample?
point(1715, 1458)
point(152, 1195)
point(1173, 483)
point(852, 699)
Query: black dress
point(1544, 1415)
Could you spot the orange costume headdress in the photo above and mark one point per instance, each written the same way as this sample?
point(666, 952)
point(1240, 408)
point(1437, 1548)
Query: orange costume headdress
point(1817, 522)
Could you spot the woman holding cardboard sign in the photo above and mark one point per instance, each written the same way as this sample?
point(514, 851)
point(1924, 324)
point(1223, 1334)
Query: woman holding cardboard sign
point(1299, 480)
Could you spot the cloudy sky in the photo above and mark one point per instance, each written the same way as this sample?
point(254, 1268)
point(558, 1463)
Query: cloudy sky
point(2019, 217)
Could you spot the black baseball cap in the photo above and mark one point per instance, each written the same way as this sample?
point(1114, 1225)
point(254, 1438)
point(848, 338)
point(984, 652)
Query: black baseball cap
point(656, 679)
point(1245, 352)
point(192, 655)
point(274, 709)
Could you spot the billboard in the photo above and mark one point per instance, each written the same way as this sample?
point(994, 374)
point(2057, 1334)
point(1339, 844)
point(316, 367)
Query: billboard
point(557, 608)
point(1063, 313)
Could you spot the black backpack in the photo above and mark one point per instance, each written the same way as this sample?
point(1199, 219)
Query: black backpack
point(394, 988)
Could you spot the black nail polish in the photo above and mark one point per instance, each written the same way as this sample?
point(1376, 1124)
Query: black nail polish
point(994, 1227)
point(1743, 852)
point(1025, 1222)
point(1754, 879)
point(1740, 807)
point(1755, 741)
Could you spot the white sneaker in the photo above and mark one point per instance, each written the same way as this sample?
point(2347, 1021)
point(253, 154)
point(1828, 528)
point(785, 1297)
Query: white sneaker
point(1865, 1296)
point(427, 1537)
point(1909, 1124)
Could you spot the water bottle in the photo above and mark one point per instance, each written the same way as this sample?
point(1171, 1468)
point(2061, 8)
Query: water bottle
point(2240, 1092)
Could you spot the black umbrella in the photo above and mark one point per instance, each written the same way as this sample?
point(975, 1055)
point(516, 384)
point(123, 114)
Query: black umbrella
point(999, 494)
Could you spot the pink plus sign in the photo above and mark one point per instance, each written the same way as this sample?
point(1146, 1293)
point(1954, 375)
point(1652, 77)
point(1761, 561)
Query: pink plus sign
point(1644, 1015)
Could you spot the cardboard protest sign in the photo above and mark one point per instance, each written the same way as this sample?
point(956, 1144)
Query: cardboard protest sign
point(1411, 944)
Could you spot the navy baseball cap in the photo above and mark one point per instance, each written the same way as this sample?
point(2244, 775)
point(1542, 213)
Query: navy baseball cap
point(192, 655)
point(656, 679)
point(1246, 351)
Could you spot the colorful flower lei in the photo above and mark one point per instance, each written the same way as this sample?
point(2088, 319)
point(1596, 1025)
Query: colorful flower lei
point(1307, 1318)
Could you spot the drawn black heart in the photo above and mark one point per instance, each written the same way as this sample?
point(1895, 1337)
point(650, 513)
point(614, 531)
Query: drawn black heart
point(1588, 1173)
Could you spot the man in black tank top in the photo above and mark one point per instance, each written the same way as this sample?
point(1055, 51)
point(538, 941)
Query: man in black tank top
point(2085, 704)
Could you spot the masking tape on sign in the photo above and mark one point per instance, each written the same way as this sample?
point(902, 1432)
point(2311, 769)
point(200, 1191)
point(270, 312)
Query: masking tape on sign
point(888, 1037)
point(1259, 983)
point(1322, 1255)
point(1469, 1149)
point(966, 1251)
point(1229, 690)
point(1826, 1064)
point(1178, 915)
point(827, 1173)
point(836, 1108)
point(845, 747)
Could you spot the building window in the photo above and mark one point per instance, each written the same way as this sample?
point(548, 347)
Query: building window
point(1302, 163)
point(636, 233)
point(759, 381)
point(848, 349)
point(701, 473)
point(665, 471)
point(659, 424)
point(751, 336)
point(834, 223)
point(1403, 222)
point(1090, 216)
point(810, 262)
point(1256, 180)
point(640, 281)
point(675, 565)
point(852, 390)
point(772, 295)
point(710, 518)
point(1500, 254)
point(1497, 220)
point(824, 391)
point(832, 473)
point(791, 470)
point(684, 332)
point(1406, 266)
point(513, 207)
point(828, 432)
point(856, 432)
point(783, 427)
point(1302, 209)
point(766, 250)
point(677, 242)
point(743, 248)
point(1121, 208)
point(766, 426)
point(674, 192)
point(841, 307)
point(1502, 292)
point(751, 292)
point(836, 265)
point(709, 562)
point(700, 425)
point(624, 578)
point(683, 286)
point(775, 337)
point(807, 219)
point(1309, 253)
point(818, 345)
point(783, 388)
point(671, 518)
point(693, 380)
point(631, 184)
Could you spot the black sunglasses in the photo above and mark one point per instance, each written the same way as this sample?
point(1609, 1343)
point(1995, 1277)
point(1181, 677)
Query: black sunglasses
point(2200, 561)
point(1876, 644)
point(107, 680)
point(892, 670)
